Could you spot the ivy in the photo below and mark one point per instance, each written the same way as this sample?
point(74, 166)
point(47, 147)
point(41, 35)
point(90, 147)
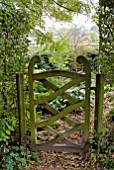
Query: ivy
point(106, 20)
point(13, 50)
point(17, 157)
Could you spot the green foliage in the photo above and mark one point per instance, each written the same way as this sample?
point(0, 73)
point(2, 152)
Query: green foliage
point(45, 63)
point(60, 10)
point(108, 88)
point(94, 37)
point(102, 149)
point(7, 126)
point(97, 143)
point(17, 157)
point(61, 56)
point(106, 30)
point(111, 113)
point(13, 49)
point(56, 54)
point(68, 43)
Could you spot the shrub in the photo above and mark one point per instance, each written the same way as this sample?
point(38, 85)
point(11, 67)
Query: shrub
point(17, 157)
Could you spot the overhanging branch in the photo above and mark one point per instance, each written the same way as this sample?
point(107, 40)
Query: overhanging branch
point(28, 7)
point(3, 3)
point(68, 9)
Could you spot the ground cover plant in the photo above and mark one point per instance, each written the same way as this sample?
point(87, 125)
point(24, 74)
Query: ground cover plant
point(17, 157)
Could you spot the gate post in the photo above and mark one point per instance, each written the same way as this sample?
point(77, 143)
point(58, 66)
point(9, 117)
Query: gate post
point(99, 93)
point(21, 105)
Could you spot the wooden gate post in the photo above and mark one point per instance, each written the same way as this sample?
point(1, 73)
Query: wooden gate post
point(21, 106)
point(99, 93)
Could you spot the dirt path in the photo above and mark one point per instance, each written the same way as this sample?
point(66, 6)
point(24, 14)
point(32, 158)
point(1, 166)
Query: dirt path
point(63, 161)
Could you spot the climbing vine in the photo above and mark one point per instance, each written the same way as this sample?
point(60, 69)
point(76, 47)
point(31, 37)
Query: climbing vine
point(106, 29)
point(13, 49)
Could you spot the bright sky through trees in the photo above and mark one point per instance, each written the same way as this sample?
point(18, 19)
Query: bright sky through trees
point(78, 19)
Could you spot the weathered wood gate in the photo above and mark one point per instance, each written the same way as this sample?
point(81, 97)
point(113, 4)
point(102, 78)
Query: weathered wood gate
point(60, 141)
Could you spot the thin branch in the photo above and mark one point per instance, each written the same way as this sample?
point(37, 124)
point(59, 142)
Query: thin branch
point(68, 9)
point(93, 5)
point(107, 24)
point(28, 7)
point(3, 3)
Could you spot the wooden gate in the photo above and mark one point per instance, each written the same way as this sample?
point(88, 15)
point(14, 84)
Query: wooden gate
point(58, 141)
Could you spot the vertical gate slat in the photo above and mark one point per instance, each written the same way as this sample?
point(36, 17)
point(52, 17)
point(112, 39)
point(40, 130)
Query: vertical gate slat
point(85, 62)
point(34, 60)
point(99, 102)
